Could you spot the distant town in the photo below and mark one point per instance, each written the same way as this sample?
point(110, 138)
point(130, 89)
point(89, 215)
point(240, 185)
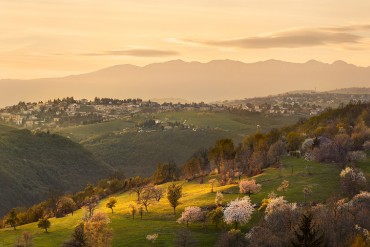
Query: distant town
point(72, 112)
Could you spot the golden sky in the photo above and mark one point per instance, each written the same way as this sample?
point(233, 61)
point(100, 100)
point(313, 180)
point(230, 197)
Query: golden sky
point(46, 38)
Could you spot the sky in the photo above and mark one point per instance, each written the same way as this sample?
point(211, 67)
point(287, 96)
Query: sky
point(51, 38)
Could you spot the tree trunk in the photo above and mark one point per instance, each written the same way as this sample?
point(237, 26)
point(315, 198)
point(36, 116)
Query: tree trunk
point(112, 210)
point(174, 210)
point(46, 229)
point(236, 225)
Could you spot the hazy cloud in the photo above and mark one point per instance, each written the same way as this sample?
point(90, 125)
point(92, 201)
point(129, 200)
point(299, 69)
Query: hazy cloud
point(341, 35)
point(348, 28)
point(135, 53)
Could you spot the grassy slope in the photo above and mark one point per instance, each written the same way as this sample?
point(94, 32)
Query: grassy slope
point(31, 164)
point(237, 124)
point(138, 153)
point(128, 232)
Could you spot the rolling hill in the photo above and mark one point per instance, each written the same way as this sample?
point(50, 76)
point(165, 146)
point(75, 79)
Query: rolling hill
point(195, 81)
point(31, 165)
point(119, 144)
point(160, 219)
point(351, 90)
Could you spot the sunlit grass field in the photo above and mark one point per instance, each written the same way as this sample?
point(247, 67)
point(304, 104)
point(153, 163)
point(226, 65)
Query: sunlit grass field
point(324, 179)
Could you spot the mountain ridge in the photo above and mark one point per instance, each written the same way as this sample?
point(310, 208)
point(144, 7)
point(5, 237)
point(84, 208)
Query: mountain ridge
point(196, 81)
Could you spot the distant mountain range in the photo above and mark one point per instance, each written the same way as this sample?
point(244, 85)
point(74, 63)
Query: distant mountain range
point(195, 81)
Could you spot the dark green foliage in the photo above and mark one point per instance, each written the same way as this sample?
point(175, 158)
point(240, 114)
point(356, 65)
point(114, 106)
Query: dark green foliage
point(174, 193)
point(222, 151)
point(12, 219)
point(216, 216)
point(307, 235)
point(78, 238)
point(203, 155)
point(192, 168)
point(294, 140)
point(44, 223)
point(165, 173)
point(32, 163)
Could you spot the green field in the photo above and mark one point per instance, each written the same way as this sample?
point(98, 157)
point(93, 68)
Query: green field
point(233, 123)
point(119, 143)
point(324, 180)
point(236, 124)
point(83, 132)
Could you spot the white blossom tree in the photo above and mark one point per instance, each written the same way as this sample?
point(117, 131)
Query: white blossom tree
point(239, 211)
point(279, 204)
point(249, 187)
point(352, 180)
point(190, 215)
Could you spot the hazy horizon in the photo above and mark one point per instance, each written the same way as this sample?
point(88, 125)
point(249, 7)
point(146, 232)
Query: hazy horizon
point(217, 80)
point(57, 38)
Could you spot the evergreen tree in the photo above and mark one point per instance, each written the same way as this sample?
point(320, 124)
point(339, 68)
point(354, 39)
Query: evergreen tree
point(78, 238)
point(307, 236)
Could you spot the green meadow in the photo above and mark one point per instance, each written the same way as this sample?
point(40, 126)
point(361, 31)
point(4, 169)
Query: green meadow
point(119, 143)
point(324, 179)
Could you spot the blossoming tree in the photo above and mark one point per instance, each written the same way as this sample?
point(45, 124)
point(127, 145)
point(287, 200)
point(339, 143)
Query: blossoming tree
point(249, 187)
point(239, 211)
point(190, 215)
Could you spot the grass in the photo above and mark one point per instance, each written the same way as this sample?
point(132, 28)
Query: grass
point(119, 144)
point(127, 232)
point(79, 133)
point(237, 124)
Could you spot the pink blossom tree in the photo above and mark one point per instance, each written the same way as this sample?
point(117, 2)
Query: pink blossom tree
point(249, 187)
point(190, 215)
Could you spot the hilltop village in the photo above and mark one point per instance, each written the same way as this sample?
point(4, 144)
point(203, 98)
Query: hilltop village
point(71, 112)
